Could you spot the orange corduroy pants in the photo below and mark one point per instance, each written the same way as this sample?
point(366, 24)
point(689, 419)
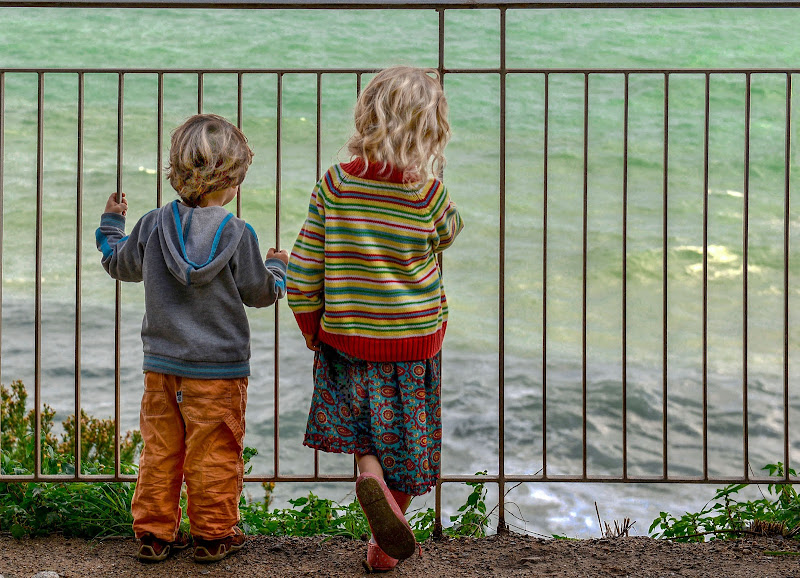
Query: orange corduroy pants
point(193, 430)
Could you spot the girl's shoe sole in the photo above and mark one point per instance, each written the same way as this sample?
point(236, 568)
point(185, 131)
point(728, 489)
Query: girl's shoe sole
point(392, 534)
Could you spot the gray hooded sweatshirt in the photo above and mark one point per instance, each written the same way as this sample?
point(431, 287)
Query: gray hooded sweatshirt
point(200, 267)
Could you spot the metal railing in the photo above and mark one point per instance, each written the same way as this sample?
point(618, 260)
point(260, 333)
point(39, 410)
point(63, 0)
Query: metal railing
point(502, 72)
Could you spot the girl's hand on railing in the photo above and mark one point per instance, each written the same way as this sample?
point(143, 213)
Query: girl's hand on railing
point(283, 254)
point(112, 206)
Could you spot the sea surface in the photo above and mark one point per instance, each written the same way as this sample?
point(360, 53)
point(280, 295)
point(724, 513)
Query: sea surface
point(663, 349)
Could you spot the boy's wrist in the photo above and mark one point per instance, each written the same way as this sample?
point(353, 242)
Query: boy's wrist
point(112, 219)
point(275, 262)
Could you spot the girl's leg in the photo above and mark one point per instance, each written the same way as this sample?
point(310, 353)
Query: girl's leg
point(390, 530)
point(369, 463)
point(403, 500)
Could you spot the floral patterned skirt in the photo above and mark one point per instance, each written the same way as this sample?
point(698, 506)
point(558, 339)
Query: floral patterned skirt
point(391, 410)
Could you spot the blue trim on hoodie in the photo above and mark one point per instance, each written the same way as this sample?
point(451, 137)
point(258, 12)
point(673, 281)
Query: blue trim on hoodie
point(105, 248)
point(176, 214)
point(196, 369)
point(252, 230)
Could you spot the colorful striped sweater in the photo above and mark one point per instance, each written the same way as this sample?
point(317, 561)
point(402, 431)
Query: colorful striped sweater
point(363, 275)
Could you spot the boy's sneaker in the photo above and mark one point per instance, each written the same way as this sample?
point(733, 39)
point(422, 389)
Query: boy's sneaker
point(214, 550)
point(386, 520)
point(152, 549)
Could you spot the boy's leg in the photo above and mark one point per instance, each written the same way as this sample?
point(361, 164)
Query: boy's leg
point(214, 411)
point(156, 500)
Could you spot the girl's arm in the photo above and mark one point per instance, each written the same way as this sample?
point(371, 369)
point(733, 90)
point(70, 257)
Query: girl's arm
point(305, 282)
point(446, 220)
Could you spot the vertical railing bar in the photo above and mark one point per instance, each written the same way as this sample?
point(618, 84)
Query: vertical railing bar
point(160, 140)
point(2, 195)
point(278, 136)
point(786, 224)
point(441, 42)
point(664, 280)
point(437, 522)
point(318, 176)
point(118, 299)
point(745, 264)
point(626, 108)
point(706, 133)
point(200, 79)
point(584, 284)
point(239, 124)
point(78, 279)
point(545, 146)
point(355, 463)
point(319, 126)
point(501, 519)
point(37, 453)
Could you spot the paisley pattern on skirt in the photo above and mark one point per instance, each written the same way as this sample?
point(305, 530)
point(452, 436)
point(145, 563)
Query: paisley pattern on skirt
point(391, 410)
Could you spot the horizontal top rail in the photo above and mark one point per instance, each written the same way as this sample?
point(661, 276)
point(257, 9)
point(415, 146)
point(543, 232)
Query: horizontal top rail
point(399, 4)
point(483, 70)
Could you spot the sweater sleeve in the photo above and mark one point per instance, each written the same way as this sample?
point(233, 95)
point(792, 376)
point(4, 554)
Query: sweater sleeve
point(446, 220)
point(260, 283)
point(306, 276)
point(122, 255)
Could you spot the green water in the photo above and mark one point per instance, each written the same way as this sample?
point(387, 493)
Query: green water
point(607, 39)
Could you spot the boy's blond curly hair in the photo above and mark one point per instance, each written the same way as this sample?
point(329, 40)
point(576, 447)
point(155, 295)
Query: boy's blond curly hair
point(401, 120)
point(207, 154)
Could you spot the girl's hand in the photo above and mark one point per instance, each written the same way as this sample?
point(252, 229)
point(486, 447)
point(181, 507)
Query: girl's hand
point(311, 341)
point(283, 255)
point(112, 206)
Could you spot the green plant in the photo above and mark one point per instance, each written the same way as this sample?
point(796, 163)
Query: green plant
point(99, 509)
point(307, 516)
point(726, 515)
point(17, 440)
point(472, 518)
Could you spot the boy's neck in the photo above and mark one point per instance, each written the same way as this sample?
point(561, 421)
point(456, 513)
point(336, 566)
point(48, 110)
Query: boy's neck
point(218, 198)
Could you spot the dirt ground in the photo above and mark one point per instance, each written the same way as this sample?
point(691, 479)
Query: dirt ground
point(502, 555)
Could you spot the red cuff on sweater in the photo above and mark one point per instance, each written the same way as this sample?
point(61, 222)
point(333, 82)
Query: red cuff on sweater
point(309, 322)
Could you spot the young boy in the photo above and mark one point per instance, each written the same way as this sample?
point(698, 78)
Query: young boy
point(200, 266)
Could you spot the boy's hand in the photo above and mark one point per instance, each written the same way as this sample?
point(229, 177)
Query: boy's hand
point(283, 255)
point(311, 341)
point(112, 206)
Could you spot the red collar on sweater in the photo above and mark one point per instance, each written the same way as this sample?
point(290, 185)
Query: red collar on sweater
point(375, 171)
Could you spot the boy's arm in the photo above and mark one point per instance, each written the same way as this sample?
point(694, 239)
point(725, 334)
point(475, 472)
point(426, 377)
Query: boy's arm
point(260, 282)
point(122, 256)
point(305, 284)
point(446, 220)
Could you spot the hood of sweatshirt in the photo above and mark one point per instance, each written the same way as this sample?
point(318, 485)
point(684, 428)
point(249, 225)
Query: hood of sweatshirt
point(198, 242)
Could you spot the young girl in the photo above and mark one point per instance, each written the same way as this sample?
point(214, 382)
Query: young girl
point(366, 290)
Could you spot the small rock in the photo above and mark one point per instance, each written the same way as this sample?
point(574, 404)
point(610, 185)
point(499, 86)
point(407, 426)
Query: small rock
point(46, 574)
point(531, 560)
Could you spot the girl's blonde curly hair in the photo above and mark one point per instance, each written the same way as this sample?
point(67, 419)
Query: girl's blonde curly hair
point(401, 120)
point(207, 154)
